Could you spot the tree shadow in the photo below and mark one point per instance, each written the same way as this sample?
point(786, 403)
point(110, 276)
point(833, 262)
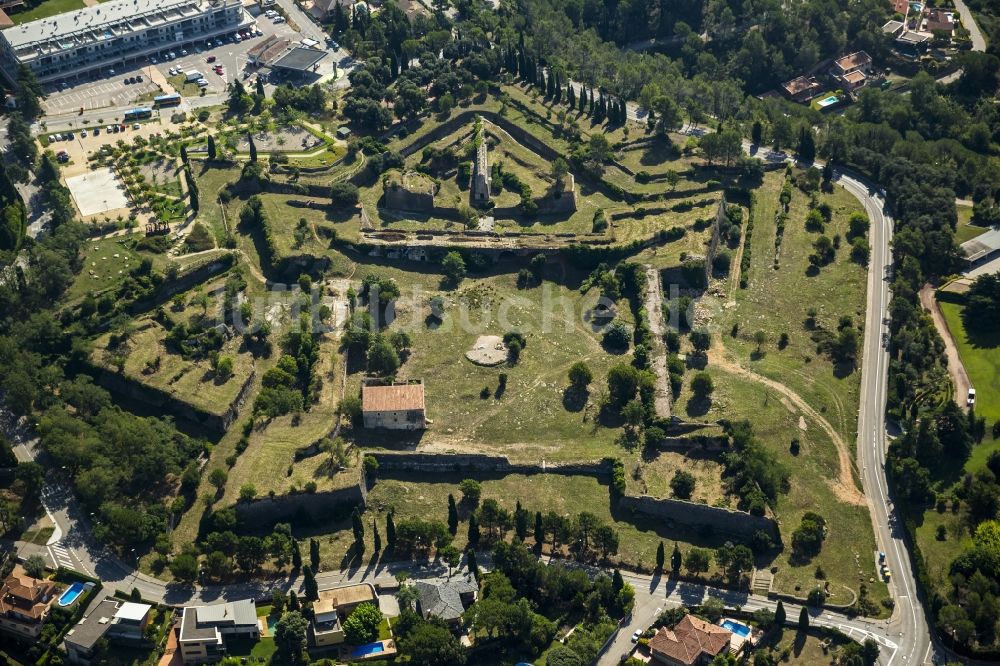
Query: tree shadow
point(698, 406)
point(696, 361)
point(799, 643)
point(574, 399)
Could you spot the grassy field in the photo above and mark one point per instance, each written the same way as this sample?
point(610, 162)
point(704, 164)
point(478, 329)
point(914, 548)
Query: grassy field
point(190, 381)
point(657, 473)
point(847, 557)
point(105, 264)
point(418, 497)
point(981, 357)
point(45, 9)
point(965, 230)
point(530, 421)
point(269, 462)
point(777, 301)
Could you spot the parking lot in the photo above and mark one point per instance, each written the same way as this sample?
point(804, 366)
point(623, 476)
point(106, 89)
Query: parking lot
point(113, 92)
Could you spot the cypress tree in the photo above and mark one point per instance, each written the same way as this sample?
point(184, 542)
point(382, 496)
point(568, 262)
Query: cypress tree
point(675, 559)
point(550, 85)
point(260, 88)
point(314, 554)
point(253, 148)
point(296, 556)
point(757, 133)
point(570, 96)
point(452, 515)
point(293, 601)
point(211, 147)
point(583, 99)
point(393, 65)
point(377, 538)
point(779, 616)
point(661, 557)
point(804, 620)
point(359, 530)
point(590, 101)
point(309, 586)
point(617, 582)
point(184, 153)
point(390, 533)
point(539, 529)
point(473, 531)
point(470, 559)
point(520, 522)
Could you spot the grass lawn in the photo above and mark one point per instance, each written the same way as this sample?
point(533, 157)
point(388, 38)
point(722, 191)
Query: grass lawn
point(809, 649)
point(533, 419)
point(704, 465)
point(183, 86)
point(965, 230)
point(980, 354)
point(45, 9)
point(777, 301)
point(101, 268)
point(847, 557)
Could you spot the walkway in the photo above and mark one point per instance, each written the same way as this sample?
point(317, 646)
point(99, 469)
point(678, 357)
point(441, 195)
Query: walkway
point(959, 378)
point(654, 310)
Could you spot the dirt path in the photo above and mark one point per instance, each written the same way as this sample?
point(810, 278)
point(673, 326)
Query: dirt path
point(844, 486)
point(959, 378)
point(654, 309)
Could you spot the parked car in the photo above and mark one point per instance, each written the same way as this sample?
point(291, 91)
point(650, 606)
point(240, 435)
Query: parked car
point(97, 130)
point(184, 52)
point(635, 635)
point(138, 79)
point(971, 400)
point(210, 59)
point(278, 19)
point(135, 126)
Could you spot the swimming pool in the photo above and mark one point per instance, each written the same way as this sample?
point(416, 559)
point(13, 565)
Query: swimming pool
point(71, 593)
point(827, 101)
point(737, 628)
point(367, 650)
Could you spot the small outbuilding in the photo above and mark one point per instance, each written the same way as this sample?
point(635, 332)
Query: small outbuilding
point(394, 407)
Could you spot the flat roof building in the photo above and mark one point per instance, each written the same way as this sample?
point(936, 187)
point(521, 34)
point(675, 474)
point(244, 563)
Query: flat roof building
point(802, 89)
point(299, 60)
point(109, 34)
point(111, 620)
point(203, 629)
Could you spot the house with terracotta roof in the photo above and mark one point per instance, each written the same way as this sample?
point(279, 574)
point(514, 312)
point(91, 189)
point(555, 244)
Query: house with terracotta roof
point(900, 6)
point(394, 407)
point(692, 642)
point(852, 71)
point(25, 604)
point(939, 20)
point(802, 89)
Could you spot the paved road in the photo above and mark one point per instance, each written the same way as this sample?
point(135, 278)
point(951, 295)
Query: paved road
point(969, 22)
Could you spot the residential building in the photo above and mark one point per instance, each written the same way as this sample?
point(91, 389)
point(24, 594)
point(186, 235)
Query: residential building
point(120, 622)
point(394, 407)
point(323, 9)
point(25, 604)
point(852, 71)
point(982, 249)
point(893, 28)
point(802, 89)
point(900, 6)
point(94, 40)
point(446, 598)
point(204, 629)
point(939, 20)
point(692, 642)
point(333, 607)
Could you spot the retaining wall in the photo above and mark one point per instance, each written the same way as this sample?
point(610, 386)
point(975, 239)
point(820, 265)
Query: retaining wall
point(692, 514)
point(472, 463)
point(172, 403)
point(315, 507)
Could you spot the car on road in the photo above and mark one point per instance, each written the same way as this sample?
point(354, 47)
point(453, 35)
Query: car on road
point(635, 635)
point(971, 400)
point(210, 59)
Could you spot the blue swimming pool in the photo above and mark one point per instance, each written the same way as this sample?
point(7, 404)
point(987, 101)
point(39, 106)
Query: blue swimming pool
point(737, 628)
point(70, 595)
point(827, 101)
point(367, 650)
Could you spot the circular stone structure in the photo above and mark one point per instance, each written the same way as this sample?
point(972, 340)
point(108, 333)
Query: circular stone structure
point(488, 350)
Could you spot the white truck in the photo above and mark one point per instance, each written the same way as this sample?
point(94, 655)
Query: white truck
point(193, 75)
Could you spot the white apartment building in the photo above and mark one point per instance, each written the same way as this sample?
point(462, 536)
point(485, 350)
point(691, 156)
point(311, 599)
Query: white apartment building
point(96, 39)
